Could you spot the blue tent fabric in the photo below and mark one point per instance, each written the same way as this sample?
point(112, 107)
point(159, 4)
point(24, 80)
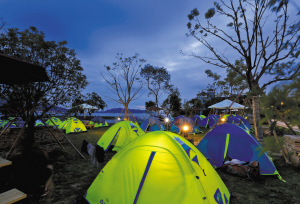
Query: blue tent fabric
point(197, 119)
point(98, 119)
point(204, 122)
point(175, 129)
point(209, 121)
point(182, 120)
point(241, 146)
point(152, 121)
point(154, 128)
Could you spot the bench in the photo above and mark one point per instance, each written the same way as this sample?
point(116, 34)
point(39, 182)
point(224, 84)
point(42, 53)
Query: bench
point(4, 162)
point(87, 124)
point(11, 196)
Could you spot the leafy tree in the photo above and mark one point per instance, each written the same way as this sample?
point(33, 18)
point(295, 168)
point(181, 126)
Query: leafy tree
point(232, 84)
point(172, 104)
point(123, 74)
point(282, 104)
point(63, 68)
point(92, 99)
point(149, 104)
point(157, 80)
point(196, 103)
point(186, 107)
point(248, 35)
point(2, 23)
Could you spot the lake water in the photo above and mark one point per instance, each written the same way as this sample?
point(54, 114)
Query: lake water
point(114, 115)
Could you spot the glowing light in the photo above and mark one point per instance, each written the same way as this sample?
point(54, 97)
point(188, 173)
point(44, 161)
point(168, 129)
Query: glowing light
point(223, 119)
point(167, 120)
point(281, 103)
point(119, 118)
point(185, 127)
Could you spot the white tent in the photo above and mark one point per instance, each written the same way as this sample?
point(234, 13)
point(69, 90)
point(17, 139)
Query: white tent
point(225, 104)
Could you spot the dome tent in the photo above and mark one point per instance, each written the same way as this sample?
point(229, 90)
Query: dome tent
point(99, 121)
point(152, 124)
point(235, 142)
point(119, 135)
point(179, 122)
point(158, 167)
point(72, 125)
point(209, 121)
point(55, 120)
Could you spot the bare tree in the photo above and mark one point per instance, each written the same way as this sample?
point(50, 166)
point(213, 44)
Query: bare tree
point(248, 36)
point(123, 74)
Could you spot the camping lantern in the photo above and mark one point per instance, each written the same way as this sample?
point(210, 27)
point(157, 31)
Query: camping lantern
point(185, 130)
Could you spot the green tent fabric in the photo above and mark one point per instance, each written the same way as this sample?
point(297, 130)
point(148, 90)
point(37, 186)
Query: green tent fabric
point(159, 167)
point(72, 125)
point(56, 121)
point(119, 135)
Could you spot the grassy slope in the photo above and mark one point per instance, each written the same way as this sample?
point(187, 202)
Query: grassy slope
point(73, 176)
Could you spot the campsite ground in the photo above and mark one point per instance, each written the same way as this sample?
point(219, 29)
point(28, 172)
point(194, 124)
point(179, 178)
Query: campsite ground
point(73, 176)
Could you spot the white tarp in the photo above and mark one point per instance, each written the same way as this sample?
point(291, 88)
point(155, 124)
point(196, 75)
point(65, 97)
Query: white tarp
point(225, 104)
point(87, 106)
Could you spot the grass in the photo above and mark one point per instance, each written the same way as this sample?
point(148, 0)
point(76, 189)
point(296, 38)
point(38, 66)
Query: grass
point(73, 175)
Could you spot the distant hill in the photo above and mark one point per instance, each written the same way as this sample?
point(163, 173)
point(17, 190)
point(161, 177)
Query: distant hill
point(119, 110)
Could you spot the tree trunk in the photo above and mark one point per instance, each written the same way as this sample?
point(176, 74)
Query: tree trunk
point(256, 118)
point(125, 112)
point(29, 137)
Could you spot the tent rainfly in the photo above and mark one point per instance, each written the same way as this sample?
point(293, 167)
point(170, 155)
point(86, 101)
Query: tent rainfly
point(225, 104)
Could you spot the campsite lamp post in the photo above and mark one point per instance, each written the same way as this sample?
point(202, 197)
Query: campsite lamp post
point(167, 122)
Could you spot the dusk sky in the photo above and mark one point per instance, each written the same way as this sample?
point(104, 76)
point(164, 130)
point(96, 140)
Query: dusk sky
point(97, 30)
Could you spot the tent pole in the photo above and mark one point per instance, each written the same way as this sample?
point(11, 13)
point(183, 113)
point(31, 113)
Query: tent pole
point(49, 129)
point(119, 115)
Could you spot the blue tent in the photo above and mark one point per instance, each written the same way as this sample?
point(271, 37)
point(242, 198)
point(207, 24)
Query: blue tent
point(237, 118)
point(233, 141)
point(181, 121)
point(152, 124)
point(209, 121)
point(197, 119)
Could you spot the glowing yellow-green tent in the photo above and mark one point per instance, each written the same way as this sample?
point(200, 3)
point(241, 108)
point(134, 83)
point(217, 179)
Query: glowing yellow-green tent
point(72, 125)
point(159, 167)
point(55, 120)
point(119, 135)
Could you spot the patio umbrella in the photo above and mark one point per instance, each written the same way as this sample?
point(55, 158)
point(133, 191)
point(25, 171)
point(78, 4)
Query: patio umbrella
point(86, 106)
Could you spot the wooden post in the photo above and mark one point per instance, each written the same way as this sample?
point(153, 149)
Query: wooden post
point(19, 135)
point(68, 140)
point(49, 129)
point(133, 116)
point(242, 115)
point(7, 126)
